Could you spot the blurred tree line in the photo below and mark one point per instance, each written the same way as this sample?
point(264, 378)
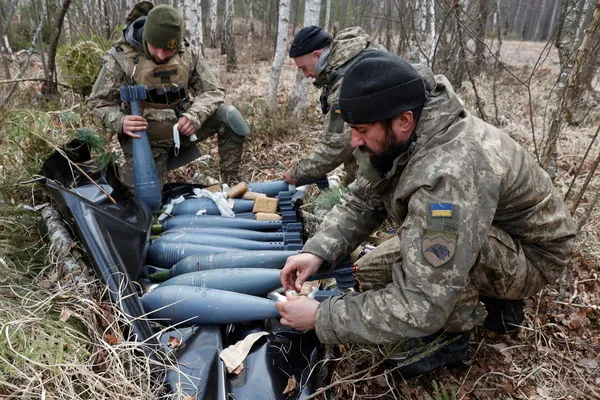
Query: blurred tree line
point(457, 38)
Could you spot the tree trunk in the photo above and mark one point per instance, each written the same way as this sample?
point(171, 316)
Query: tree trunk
point(278, 59)
point(230, 37)
point(388, 24)
point(298, 102)
point(12, 6)
point(517, 15)
point(251, 18)
point(552, 25)
point(193, 24)
point(312, 11)
point(573, 71)
point(430, 36)
point(4, 43)
point(67, 34)
point(50, 88)
point(213, 23)
point(480, 31)
point(418, 42)
point(579, 82)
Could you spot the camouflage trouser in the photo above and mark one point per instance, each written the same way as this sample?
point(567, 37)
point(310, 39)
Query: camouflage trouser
point(501, 270)
point(230, 145)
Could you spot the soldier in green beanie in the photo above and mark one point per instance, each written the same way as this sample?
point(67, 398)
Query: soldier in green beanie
point(181, 89)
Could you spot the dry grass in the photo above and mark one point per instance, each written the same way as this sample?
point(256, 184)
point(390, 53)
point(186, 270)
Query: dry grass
point(60, 339)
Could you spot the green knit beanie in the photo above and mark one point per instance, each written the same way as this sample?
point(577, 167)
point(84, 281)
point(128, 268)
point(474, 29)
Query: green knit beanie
point(164, 28)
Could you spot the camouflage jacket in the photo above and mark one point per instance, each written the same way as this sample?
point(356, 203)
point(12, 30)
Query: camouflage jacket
point(334, 146)
point(204, 90)
point(462, 176)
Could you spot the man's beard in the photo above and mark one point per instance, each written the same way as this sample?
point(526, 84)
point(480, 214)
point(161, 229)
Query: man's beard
point(383, 162)
point(157, 61)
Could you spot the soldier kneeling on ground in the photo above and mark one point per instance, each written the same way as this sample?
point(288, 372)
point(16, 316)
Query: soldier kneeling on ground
point(478, 221)
point(181, 89)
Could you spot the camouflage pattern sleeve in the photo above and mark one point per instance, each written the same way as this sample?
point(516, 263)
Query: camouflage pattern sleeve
point(332, 150)
point(104, 102)
point(448, 215)
point(344, 227)
point(205, 87)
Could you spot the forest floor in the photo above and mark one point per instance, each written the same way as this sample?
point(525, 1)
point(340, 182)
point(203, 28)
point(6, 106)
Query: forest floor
point(555, 355)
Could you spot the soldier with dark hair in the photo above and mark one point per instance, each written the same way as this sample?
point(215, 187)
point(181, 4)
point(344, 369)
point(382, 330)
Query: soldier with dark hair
point(181, 89)
point(478, 221)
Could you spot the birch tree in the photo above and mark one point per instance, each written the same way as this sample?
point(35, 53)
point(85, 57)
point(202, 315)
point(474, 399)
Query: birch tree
point(299, 97)
point(422, 36)
point(280, 49)
point(573, 66)
point(251, 18)
point(327, 14)
point(193, 10)
point(230, 37)
point(571, 62)
point(480, 31)
point(213, 23)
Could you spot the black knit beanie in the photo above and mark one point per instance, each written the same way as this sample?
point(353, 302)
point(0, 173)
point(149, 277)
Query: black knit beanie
point(309, 39)
point(164, 28)
point(379, 86)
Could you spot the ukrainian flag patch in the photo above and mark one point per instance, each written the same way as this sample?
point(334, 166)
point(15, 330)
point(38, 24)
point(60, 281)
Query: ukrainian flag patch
point(443, 210)
point(336, 109)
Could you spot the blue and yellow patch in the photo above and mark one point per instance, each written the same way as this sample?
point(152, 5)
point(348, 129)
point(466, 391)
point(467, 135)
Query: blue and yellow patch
point(336, 109)
point(443, 210)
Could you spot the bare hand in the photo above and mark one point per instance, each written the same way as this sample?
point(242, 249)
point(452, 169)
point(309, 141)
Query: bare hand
point(298, 269)
point(185, 127)
point(287, 176)
point(134, 123)
point(299, 312)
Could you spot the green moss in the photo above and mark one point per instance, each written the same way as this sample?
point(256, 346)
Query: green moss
point(79, 65)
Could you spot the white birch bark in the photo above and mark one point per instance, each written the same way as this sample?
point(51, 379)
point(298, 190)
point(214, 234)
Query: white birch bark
point(213, 23)
point(230, 37)
point(67, 31)
point(418, 42)
point(298, 101)
point(280, 49)
point(312, 11)
point(192, 9)
point(431, 29)
point(251, 18)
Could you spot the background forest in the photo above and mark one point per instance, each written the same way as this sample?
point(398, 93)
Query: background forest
point(530, 67)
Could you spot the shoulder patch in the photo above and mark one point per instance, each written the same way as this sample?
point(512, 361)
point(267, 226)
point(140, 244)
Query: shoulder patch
point(336, 109)
point(443, 217)
point(438, 247)
point(443, 210)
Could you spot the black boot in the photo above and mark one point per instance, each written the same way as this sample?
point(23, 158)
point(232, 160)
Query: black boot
point(422, 355)
point(503, 315)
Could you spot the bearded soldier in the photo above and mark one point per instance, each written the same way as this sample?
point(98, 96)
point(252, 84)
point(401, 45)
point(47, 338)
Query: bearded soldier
point(181, 89)
point(477, 220)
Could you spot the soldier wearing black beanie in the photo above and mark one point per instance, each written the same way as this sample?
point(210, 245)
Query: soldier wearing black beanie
point(309, 39)
point(380, 86)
